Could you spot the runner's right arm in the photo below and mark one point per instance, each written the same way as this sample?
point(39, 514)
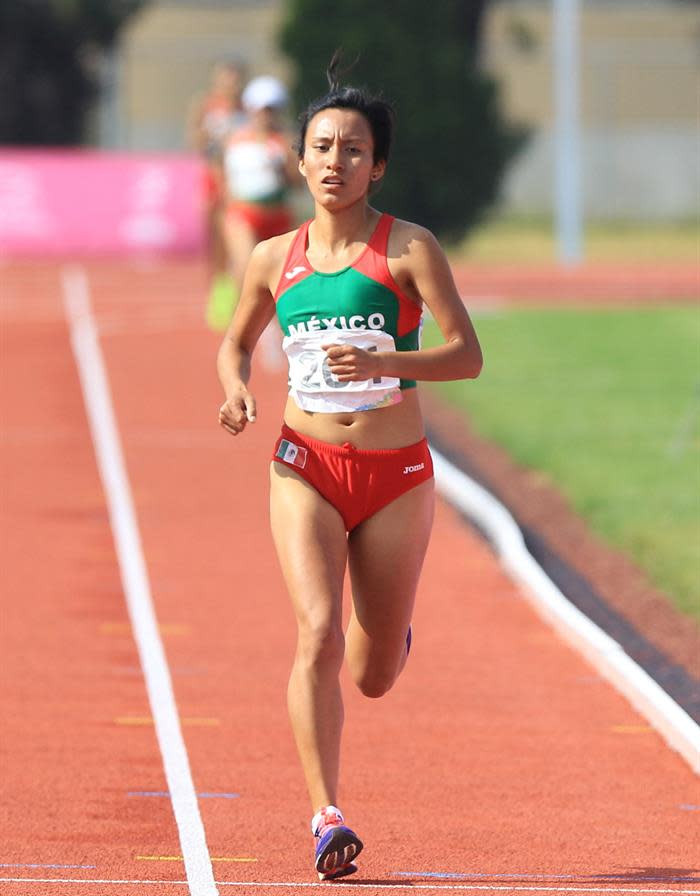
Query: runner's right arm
point(255, 310)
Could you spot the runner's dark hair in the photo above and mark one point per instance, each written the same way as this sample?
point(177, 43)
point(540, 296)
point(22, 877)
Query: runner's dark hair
point(379, 114)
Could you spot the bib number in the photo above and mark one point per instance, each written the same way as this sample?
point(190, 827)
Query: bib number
point(310, 362)
point(309, 365)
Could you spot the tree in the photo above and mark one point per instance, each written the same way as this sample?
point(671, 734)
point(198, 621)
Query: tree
point(47, 75)
point(452, 145)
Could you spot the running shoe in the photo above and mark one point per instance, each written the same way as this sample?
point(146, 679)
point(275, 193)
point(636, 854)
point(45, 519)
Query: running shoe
point(336, 845)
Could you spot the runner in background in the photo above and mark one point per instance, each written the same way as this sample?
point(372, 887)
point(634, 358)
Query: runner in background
point(260, 165)
point(212, 119)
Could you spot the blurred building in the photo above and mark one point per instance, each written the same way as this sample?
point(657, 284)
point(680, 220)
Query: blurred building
point(165, 59)
point(639, 92)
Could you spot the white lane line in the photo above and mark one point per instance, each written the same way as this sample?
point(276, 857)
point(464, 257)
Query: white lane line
point(132, 566)
point(508, 888)
point(679, 730)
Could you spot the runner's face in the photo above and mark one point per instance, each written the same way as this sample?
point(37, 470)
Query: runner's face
point(227, 81)
point(337, 161)
point(267, 119)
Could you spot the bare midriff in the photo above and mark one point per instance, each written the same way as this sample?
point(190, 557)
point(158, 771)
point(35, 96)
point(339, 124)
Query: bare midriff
point(395, 426)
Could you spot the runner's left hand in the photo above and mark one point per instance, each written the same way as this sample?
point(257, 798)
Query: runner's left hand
point(350, 363)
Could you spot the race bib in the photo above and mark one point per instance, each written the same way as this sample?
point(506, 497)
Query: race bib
point(315, 388)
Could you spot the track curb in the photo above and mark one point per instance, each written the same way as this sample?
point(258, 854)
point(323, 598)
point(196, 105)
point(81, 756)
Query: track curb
point(606, 654)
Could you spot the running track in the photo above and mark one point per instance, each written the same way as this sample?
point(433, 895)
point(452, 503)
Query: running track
point(501, 762)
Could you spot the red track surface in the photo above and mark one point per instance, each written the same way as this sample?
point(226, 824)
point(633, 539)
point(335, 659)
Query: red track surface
point(611, 284)
point(500, 760)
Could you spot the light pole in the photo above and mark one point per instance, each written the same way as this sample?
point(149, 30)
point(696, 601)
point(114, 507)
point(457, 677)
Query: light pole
point(567, 131)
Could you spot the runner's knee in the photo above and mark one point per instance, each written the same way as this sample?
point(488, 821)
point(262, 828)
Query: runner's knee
point(320, 645)
point(375, 682)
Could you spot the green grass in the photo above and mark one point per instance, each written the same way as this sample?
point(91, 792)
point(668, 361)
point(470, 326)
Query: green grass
point(531, 241)
point(607, 405)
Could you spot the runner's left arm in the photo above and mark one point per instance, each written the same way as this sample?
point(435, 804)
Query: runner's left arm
point(425, 273)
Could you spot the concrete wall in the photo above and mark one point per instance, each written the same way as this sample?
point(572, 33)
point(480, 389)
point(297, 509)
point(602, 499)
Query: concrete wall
point(640, 82)
point(166, 57)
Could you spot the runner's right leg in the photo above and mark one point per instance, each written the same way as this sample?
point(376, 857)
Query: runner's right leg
point(311, 544)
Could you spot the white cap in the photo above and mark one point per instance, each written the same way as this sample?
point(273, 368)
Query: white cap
point(264, 92)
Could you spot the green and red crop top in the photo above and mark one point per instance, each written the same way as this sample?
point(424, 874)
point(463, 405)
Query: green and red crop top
point(360, 304)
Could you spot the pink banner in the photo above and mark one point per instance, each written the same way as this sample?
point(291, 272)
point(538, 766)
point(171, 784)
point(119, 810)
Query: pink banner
point(84, 202)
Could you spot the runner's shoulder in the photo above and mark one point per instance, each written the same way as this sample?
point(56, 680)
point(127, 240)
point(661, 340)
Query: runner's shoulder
point(411, 242)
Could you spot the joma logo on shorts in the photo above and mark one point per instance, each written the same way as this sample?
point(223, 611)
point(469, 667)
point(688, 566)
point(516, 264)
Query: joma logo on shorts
point(413, 469)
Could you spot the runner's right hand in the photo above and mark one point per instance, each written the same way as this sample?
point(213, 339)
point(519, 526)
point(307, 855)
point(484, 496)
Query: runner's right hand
point(237, 411)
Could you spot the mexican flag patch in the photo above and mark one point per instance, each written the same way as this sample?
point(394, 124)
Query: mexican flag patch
point(291, 454)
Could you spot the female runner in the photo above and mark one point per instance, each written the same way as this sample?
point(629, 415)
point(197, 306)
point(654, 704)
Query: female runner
point(213, 118)
point(351, 474)
point(259, 166)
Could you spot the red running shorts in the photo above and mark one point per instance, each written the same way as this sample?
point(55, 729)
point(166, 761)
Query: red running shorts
point(355, 481)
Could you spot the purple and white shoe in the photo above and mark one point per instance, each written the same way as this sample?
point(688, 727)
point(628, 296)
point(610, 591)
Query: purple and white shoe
point(336, 847)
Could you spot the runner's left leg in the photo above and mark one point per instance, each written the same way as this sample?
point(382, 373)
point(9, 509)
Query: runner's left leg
point(385, 557)
point(240, 242)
